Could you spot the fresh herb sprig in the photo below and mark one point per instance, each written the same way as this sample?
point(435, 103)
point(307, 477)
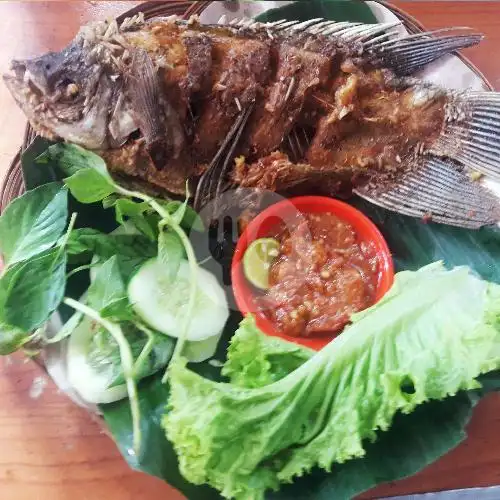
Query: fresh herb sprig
point(162, 224)
point(37, 242)
point(89, 181)
point(33, 279)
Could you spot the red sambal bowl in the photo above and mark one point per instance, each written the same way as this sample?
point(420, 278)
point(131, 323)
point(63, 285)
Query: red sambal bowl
point(262, 226)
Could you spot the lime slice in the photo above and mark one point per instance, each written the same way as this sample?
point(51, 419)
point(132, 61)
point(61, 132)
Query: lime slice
point(258, 259)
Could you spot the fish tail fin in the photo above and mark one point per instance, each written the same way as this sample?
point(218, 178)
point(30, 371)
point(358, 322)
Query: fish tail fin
point(438, 190)
point(471, 133)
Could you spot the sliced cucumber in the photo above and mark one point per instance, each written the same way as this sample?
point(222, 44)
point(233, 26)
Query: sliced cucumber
point(94, 364)
point(162, 304)
point(92, 385)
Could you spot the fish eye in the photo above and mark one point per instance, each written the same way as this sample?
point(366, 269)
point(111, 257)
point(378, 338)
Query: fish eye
point(71, 88)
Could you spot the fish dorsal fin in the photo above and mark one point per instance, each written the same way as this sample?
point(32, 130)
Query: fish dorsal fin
point(133, 22)
point(471, 134)
point(388, 46)
point(440, 191)
point(384, 44)
point(407, 54)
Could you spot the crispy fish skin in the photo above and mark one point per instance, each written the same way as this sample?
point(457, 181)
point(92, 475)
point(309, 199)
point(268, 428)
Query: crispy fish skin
point(158, 98)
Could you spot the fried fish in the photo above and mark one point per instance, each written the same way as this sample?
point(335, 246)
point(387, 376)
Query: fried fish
point(325, 105)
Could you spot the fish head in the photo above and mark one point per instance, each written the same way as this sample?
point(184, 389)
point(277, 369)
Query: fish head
point(65, 95)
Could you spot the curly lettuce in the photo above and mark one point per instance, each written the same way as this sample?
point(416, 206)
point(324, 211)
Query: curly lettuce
point(431, 336)
point(255, 359)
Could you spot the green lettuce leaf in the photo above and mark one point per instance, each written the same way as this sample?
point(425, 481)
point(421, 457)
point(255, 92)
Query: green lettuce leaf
point(431, 337)
point(255, 359)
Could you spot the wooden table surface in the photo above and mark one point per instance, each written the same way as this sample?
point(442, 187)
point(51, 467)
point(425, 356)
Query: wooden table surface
point(49, 448)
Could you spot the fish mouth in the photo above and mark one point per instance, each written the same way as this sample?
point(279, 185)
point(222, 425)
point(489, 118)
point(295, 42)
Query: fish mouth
point(21, 81)
point(18, 69)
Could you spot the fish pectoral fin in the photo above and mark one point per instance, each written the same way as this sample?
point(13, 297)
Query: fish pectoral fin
point(158, 121)
point(437, 190)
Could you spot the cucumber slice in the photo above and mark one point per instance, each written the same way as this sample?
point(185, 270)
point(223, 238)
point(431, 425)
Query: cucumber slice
point(94, 364)
point(162, 303)
point(91, 385)
point(197, 351)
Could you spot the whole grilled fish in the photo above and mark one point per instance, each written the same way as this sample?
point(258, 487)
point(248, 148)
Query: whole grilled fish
point(324, 104)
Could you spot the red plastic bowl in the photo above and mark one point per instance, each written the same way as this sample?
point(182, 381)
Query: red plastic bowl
point(262, 226)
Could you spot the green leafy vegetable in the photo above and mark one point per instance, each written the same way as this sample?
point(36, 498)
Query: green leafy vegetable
point(170, 253)
point(12, 338)
point(139, 213)
point(425, 340)
point(185, 215)
point(31, 291)
point(67, 329)
point(88, 178)
point(33, 222)
point(33, 175)
point(108, 286)
point(131, 250)
point(89, 186)
point(104, 356)
point(412, 442)
point(255, 359)
point(71, 158)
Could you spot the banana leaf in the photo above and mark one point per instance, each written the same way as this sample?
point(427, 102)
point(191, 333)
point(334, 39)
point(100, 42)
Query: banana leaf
point(414, 440)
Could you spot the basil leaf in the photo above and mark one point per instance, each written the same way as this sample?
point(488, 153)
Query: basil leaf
point(119, 310)
point(187, 216)
point(33, 223)
point(137, 213)
point(170, 253)
point(67, 329)
point(71, 158)
point(104, 355)
point(87, 240)
point(11, 338)
point(88, 177)
point(89, 186)
point(179, 212)
point(108, 286)
point(31, 291)
point(130, 249)
point(128, 208)
point(33, 175)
